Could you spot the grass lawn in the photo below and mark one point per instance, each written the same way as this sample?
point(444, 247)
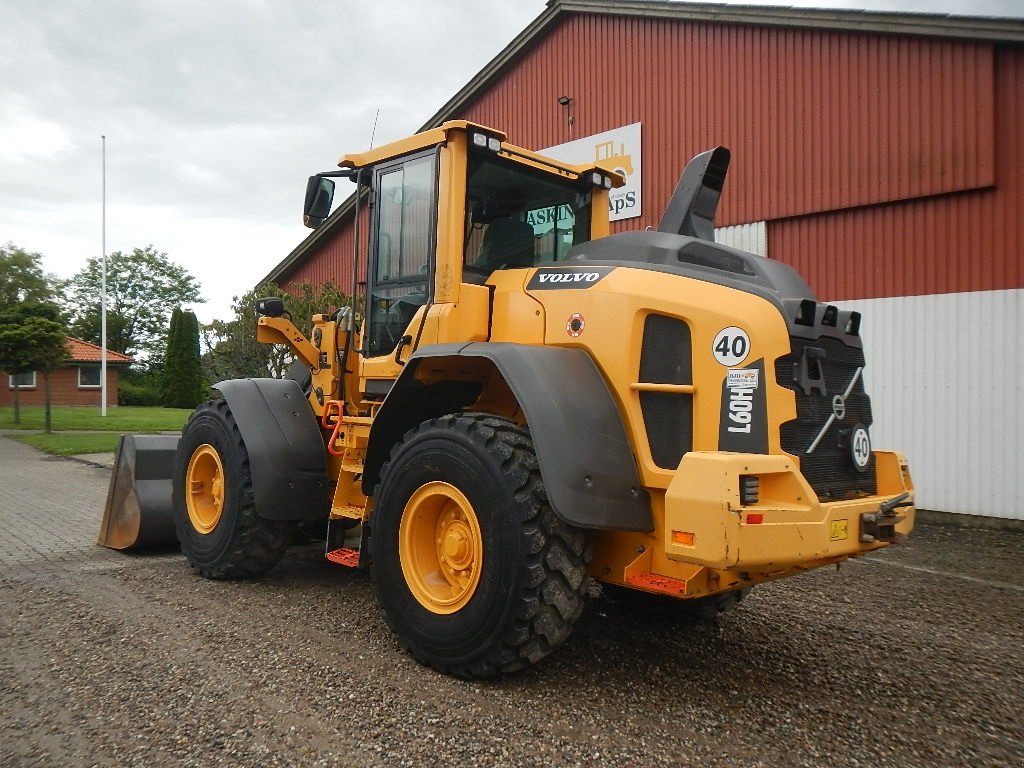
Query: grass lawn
point(72, 444)
point(124, 418)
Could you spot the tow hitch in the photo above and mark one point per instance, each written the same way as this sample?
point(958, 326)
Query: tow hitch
point(881, 525)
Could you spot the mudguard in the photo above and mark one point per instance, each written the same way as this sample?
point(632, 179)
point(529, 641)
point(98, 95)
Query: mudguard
point(286, 449)
point(585, 457)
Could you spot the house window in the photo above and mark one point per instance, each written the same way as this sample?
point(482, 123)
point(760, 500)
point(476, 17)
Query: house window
point(23, 381)
point(88, 378)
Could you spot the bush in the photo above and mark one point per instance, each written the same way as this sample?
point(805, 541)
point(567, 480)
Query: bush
point(130, 393)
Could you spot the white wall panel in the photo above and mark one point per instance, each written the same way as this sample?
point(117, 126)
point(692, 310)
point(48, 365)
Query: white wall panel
point(747, 237)
point(945, 377)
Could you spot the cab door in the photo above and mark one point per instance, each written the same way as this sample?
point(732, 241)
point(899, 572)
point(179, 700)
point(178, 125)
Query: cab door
point(399, 285)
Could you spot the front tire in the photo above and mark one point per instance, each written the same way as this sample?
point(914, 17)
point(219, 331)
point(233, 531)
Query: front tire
point(476, 574)
point(214, 509)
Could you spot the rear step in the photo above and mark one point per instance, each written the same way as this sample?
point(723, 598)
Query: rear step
point(344, 556)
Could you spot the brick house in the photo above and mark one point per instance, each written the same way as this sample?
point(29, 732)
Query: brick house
point(76, 383)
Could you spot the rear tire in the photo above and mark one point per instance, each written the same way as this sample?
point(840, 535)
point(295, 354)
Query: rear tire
point(476, 574)
point(214, 509)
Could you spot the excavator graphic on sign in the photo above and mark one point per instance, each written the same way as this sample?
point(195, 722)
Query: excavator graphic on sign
point(620, 163)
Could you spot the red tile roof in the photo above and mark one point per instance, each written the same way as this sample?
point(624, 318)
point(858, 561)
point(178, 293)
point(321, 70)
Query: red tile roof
point(84, 352)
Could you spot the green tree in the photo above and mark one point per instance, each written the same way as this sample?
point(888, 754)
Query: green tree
point(170, 357)
point(32, 338)
point(199, 387)
point(32, 335)
point(232, 351)
point(22, 279)
point(143, 287)
point(183, 373)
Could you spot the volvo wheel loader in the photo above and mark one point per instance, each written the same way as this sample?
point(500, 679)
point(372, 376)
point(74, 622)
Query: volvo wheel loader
point(526, 402)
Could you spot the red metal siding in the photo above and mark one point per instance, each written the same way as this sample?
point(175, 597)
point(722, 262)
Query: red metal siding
point(872, 157)
point(817, 120)
point(971, 241)
point(333, 262)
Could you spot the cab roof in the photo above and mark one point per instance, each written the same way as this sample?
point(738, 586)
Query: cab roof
point(440, 135)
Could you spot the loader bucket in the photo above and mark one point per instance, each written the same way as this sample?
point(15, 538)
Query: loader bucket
point(139, 511)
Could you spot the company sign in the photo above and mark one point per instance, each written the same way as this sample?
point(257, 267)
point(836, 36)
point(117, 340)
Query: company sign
point(618, 149)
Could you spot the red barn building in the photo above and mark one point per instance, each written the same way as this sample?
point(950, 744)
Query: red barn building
point(881, 154)
point(76, 383)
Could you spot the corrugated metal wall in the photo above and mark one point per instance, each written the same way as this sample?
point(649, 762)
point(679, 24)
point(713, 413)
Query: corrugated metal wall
point(752, 238)
point(961, 242)
point(333, 261)
point(816, 120)
point(946, 377)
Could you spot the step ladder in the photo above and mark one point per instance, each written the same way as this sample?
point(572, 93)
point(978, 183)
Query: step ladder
point(344, 556)
point(346, 546)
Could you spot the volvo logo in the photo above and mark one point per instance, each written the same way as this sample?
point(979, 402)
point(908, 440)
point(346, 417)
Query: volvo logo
point(562, 278)
point(839, 407)
point(838, 410)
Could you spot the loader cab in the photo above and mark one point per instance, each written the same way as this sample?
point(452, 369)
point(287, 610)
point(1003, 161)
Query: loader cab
point(448, 208)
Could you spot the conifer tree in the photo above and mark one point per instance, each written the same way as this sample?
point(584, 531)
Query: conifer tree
point(183, 384)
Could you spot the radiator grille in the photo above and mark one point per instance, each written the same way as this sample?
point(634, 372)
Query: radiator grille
point(666, 358)
point(829, 468)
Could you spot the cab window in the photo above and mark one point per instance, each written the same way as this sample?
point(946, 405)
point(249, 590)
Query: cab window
point(402, 249)
point(519, 217)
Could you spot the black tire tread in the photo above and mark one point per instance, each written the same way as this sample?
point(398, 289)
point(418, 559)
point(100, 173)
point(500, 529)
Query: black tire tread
point(257, 544)
point(553, 593)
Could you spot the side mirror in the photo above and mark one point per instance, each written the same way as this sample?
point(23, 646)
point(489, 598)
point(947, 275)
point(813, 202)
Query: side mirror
point(319, 196)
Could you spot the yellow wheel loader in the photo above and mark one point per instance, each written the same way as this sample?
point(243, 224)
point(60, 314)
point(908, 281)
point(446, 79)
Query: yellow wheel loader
point(528, 402)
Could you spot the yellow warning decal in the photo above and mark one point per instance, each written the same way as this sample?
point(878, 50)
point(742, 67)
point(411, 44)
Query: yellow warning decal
point(840, 530)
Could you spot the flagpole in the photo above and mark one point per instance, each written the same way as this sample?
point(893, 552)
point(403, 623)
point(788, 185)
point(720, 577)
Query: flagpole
point(103, 294)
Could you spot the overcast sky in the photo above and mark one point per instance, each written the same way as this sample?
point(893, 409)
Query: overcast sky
point(216, 111)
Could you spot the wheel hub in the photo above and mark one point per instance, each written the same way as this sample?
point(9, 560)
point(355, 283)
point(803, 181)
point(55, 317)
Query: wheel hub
point(440, 547)
point(457, 548)
point(204, 480)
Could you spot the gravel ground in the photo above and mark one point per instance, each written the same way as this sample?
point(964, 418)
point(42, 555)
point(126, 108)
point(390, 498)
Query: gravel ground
point(912, 657)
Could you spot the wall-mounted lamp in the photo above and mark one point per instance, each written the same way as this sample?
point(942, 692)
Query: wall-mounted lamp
point(567, 102)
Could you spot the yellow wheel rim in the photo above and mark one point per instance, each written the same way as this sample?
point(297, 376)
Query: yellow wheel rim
point(204, 482)
point(440, 547)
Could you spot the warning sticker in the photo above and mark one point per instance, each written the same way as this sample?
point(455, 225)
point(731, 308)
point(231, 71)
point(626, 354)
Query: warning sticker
point(840, 530)
point(742, 378)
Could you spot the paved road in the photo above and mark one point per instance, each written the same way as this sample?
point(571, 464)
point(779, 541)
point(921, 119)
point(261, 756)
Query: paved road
point(912, 657)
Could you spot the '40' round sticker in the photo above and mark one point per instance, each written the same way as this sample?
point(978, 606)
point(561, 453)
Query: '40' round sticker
point(731, 346)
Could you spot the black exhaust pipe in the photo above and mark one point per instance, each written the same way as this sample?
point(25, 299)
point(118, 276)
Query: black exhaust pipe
point(691, 211)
